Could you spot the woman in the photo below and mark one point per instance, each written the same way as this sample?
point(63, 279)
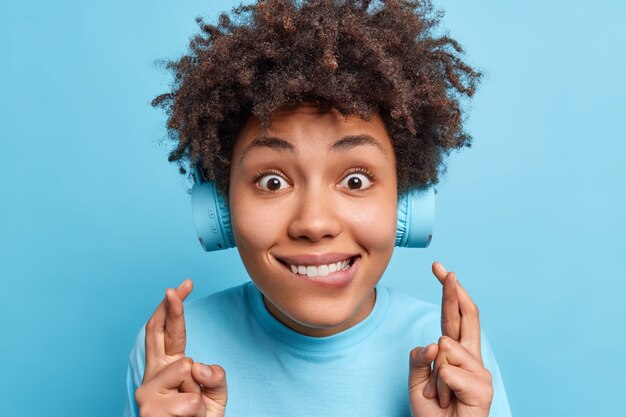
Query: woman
point(312, 117)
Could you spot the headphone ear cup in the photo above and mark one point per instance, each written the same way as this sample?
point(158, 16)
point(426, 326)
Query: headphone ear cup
point(416, 218)
point(211, 216)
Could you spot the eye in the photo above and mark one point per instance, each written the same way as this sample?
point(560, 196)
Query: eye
point(356, 181)
point(271, 182)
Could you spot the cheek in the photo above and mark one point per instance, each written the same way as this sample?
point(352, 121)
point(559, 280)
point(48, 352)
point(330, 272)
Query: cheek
point(258, 225)
point(374, 225)
point(254, 225)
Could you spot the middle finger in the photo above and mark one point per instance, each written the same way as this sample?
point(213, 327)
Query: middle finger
point(155, 333)
point(175, 337)
point(470, 322)
point(450, 315)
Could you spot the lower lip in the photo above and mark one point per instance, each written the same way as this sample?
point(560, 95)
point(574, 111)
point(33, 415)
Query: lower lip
point(337, 279)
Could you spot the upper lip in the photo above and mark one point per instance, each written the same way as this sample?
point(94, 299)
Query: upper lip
point(314, 259)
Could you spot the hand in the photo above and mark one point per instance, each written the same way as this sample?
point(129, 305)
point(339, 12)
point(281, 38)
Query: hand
point(173, 385)
point(458, 384)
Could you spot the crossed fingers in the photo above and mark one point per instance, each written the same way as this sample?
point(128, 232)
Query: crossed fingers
point(165, 331)
point(459, 345)
point(173, 384)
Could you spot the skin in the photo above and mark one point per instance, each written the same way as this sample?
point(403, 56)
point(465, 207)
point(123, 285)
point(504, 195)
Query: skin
point(296, 196)
point(314, 214)
point(173, 385)
point(448, 378)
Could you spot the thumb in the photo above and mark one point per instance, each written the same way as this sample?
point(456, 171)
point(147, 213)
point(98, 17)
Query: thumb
point(420, 361)
point(214, 390)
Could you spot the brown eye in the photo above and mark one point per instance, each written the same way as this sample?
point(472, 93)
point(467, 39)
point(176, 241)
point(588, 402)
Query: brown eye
point(356, 181)
point(271, 182)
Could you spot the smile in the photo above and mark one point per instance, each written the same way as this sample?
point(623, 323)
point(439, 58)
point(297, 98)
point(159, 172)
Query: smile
point(312, 271)
point(333, 270)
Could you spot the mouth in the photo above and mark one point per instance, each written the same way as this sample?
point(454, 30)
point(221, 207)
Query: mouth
point(337, 274)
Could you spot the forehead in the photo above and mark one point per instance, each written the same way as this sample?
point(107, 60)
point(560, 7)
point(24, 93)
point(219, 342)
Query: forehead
point(309, 125)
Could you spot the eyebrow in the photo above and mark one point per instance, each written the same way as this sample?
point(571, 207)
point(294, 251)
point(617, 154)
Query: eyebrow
point(344, 144)
point(271, 142)
point(349, 142)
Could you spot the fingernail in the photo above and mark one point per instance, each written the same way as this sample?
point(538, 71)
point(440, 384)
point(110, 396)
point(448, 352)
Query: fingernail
point(205, 371)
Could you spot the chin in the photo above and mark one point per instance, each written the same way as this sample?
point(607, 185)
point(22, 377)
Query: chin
point(317, 319)
point(328, 315)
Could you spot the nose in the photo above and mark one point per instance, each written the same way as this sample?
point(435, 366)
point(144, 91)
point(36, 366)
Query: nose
point(315, 217)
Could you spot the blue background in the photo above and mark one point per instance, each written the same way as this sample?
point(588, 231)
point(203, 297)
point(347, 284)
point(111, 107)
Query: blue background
point(95, 223)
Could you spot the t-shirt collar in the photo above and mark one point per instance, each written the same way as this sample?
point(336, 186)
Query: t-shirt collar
point(342, 340)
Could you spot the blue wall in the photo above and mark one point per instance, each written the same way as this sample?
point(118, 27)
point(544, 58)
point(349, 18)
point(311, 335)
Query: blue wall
point(95, 223)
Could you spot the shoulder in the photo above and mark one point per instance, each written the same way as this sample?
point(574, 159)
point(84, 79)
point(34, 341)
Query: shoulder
point(412, 312)
point(421, 322)
point(229, 299)
point(212, 307)
point(217, 322)
point(413, 316)
point(402, 301)
point(216, 310)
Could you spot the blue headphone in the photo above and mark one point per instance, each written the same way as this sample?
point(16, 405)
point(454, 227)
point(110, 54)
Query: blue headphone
point(211, 215)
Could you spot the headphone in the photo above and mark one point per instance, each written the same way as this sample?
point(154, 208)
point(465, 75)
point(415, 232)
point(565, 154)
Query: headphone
point(211, 215)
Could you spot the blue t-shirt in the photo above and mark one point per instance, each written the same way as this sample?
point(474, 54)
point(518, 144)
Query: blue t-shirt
point(272, 370)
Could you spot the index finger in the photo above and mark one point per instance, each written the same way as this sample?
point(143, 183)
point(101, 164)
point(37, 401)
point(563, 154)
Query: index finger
point(470, 323)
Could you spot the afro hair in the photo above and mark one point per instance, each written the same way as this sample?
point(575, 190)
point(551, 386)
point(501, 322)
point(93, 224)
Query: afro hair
point(356, 56)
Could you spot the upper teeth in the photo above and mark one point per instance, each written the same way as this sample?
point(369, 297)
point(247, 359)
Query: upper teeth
point(319, 270)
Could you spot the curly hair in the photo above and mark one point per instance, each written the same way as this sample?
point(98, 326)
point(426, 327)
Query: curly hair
point(357, 56)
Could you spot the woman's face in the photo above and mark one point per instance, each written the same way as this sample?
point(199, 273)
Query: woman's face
point(316, 194)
